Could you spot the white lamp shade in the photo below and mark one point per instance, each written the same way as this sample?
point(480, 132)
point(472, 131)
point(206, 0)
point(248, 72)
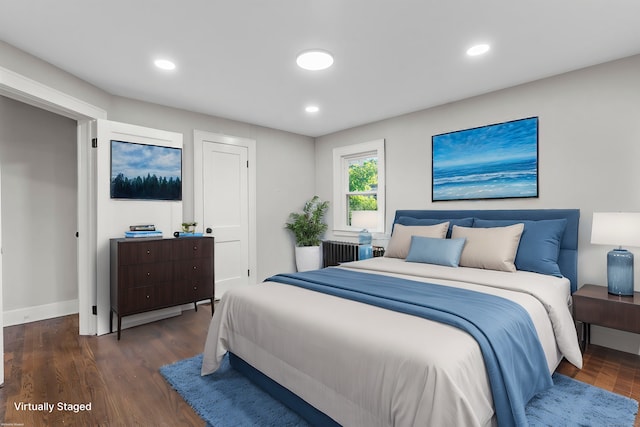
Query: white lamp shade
point(616, 228)
point(367, 220)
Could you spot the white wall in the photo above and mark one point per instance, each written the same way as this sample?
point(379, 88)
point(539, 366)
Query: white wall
point(44, 73)
point(39, 199)
point(589, 149)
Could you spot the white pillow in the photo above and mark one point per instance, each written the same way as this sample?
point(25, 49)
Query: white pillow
point(401, 238)
point(489, 248)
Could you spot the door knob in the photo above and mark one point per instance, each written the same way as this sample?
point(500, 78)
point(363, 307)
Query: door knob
point(209, 230)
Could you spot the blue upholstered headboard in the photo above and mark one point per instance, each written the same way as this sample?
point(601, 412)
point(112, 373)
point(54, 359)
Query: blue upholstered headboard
point(568, 259)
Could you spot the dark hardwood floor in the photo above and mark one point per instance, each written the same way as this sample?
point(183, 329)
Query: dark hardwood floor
point(48, 362)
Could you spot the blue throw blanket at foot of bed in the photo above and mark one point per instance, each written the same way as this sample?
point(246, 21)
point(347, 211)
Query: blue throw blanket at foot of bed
point(516, 364)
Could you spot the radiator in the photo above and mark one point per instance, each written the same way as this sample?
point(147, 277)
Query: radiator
point(334, 252)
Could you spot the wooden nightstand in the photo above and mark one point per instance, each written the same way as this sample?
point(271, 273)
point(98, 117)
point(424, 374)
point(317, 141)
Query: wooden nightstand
point(594, 305)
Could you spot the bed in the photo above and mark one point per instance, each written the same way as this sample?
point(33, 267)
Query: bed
point(366, 344)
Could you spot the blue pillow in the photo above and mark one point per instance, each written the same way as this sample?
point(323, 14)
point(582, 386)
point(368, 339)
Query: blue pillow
point(430, 250)
point(462, 222)
point(539, 244)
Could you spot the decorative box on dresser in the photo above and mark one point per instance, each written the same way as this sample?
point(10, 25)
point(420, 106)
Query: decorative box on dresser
point(148, 274)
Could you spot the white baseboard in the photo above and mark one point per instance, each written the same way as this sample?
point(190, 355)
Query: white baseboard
point(151, 316)
point(148, 317)
point(65, 308)
point(40, 312)
point(615, 339)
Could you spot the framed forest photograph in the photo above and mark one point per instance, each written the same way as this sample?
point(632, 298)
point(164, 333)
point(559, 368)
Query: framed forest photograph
point(145, 172)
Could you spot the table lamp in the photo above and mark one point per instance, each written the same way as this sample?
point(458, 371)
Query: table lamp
point(618, 229)
point(365, 220)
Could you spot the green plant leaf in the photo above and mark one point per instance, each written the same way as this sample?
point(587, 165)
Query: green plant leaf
point(309, 226)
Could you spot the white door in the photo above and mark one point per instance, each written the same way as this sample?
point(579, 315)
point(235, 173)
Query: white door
point(226, 211)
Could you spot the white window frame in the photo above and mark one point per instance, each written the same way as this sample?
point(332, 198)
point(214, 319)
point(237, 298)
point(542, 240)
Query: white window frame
point(341, 157)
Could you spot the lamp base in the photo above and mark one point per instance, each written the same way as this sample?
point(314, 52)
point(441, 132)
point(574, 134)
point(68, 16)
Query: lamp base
point(620, 272)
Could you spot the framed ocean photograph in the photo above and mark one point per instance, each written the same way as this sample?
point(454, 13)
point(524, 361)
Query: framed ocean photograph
point(496, 161)
point(145, 172)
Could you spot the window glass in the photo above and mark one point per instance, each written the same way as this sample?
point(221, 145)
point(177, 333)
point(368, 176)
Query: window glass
point(363, 186)
point(358, 187)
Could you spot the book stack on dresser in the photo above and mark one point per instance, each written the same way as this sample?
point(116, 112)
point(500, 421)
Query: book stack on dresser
point(144, 230)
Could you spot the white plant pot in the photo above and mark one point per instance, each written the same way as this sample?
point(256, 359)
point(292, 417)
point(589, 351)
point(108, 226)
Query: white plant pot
point(308, 258)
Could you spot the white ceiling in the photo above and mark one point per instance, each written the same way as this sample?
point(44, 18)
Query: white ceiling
point(236, 59)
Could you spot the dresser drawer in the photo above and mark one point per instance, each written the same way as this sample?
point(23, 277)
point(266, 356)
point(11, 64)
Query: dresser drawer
point(202, 290)
point(136, 300)
point(193, 268)
point(142, 252)
point(137, 275)
point(192, 247)
point(194, 290)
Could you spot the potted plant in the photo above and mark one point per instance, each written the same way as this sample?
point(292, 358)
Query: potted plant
point(189, 227)
point(307, 228)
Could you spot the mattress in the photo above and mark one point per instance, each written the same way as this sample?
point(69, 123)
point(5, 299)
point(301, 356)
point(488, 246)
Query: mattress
point(367, 366)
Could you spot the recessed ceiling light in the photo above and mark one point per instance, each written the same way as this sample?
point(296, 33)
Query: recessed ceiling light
point(164, 64)
point(315, 60)
point(478, 49)
point(312, 109)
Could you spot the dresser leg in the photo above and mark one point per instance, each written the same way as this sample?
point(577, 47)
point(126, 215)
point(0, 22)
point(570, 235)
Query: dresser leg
point(119, 325)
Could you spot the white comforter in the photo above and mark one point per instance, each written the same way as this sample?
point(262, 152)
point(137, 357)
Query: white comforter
point(366, 366)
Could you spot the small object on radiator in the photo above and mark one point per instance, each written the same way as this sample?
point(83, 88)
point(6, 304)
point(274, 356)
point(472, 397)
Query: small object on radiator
point(378, 251)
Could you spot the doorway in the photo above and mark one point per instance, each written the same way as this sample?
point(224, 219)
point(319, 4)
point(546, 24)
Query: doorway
point(38, 150)
point(23, 89)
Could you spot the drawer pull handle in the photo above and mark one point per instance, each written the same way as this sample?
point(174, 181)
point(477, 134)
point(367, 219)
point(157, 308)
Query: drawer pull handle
point(195, 248)
point(195, 288)
point(148, 296)
point(148, 251)
point(195, 267)
point(148, 274)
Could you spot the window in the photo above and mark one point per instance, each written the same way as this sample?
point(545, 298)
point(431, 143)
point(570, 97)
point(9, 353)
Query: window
point(358, 189)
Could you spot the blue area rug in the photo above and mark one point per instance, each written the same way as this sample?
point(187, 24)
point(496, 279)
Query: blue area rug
point(228, 399)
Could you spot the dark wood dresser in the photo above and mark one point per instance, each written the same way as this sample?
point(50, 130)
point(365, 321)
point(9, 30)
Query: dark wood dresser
point(149, 274)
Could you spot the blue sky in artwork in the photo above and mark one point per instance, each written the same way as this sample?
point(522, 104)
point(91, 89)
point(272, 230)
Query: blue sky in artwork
point(133, 160)
point(504, 142)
